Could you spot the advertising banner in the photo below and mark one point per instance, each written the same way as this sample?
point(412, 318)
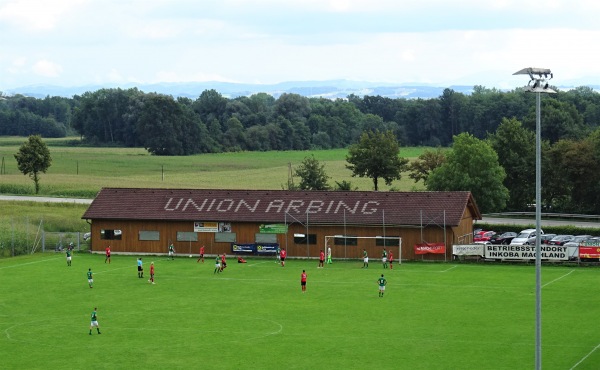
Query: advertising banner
point(267, 248)
point(589, 252)
point(206, 227)
point(273, 229)
point(435, 248)
point(224, 227)
point(523, 252)
point(467, 250)
point(243, 248)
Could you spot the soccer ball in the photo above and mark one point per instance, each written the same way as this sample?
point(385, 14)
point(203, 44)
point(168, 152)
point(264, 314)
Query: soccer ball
point(190, 256)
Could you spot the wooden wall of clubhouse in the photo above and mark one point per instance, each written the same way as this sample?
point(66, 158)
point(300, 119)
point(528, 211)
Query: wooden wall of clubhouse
point(149, 220)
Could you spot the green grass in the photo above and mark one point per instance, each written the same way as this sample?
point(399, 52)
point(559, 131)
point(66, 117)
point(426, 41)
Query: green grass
point(83, 171)
point(433, 316)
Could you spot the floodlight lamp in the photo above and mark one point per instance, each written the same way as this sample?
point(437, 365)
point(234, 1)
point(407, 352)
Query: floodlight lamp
point(531, 71)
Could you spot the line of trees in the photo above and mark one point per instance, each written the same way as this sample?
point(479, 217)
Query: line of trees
point(214, 123)
point(491, 135)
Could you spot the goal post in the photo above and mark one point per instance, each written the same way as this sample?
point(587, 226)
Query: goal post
point(350, 247)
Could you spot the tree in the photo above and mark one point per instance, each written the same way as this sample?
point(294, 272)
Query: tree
point(376, 156)
point(312, 174)
point(345, 186)
point(34, 157)
point(472, 165)
point(292, 106)
point(159, 125)
point(560, 120)
point(515, 146)
point(210, 105)
point(427, 162)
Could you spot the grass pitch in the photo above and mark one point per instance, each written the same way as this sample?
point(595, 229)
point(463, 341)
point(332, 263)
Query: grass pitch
point(254, 315)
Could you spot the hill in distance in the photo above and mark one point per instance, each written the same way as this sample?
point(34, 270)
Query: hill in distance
point(331, 89)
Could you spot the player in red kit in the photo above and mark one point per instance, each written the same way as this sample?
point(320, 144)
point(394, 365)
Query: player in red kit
point(107, 255)
point(201, 255)
point(223, 262)
point(151, 273)
point(391, 258)
point(303, 281)
point(282, 256)
point(321, 258)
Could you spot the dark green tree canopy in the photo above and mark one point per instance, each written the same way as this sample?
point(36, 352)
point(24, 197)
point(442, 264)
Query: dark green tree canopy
point(472, 165)
point(312, 174)
point(427, 162)
point(515, 146)
point(32, 158)
point(376, 156)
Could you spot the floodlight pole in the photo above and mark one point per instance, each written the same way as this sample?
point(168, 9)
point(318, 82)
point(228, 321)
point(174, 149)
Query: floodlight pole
point(538, 228)
point(538, 78)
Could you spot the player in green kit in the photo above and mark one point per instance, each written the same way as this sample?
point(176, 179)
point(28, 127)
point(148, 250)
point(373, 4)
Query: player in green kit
point(384, 258)
point(68, 257)
point(94, 323)
point(217, 264)
point(365, 259)
point(172, 251)
point(382, 283)
point(90, 278)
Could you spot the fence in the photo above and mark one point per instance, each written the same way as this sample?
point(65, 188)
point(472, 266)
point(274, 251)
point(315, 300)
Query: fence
point(21, 237)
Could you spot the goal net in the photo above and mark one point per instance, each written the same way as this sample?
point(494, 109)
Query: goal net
point(351, 247)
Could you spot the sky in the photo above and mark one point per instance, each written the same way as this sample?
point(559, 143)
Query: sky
point(440, 42)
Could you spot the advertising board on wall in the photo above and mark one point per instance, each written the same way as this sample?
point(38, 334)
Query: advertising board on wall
point(434, 248)
point(523, 252)
point(273, 229)
point(206, 227)
point(468, 250)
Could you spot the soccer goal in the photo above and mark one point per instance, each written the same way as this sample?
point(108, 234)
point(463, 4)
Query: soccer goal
point(351, 247)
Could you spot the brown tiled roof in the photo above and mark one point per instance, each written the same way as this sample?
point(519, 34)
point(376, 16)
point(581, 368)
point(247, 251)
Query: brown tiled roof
point(277, 206)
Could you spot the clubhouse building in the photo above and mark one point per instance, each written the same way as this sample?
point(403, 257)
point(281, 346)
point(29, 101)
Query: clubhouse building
point(413, 225)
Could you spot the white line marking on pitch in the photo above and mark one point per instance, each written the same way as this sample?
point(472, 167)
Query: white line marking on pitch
point(558, 278)
point(586, 356)
point(257, 263)
point(29, 263)
point(451, 268)
point(118, 268)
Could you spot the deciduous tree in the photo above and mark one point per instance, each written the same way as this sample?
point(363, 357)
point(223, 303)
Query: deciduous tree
point(376, 156)
point(312, 174)
point(472, 165)
point(515, 146)
point(427, 162)
point(34, 157)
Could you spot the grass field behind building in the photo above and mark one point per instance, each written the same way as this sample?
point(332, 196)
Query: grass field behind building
point(254, 315)
point(82, 171)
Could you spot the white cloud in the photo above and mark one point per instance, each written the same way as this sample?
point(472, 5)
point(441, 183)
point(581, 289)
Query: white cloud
point(36, 15)
point(467, 41)
point(46, 68)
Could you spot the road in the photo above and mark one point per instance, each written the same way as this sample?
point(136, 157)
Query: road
point(485, 220)
point(45, 199)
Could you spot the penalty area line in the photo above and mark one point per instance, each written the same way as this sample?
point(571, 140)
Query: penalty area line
point(558, 278)
point(585, 357)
